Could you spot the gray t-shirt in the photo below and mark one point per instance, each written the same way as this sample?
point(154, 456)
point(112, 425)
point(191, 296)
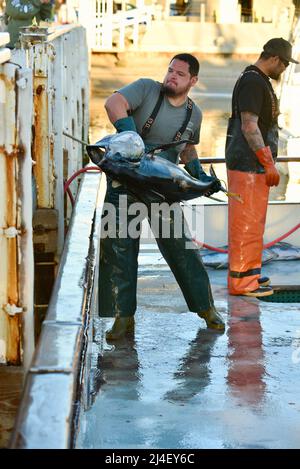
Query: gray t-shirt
point(142, 96)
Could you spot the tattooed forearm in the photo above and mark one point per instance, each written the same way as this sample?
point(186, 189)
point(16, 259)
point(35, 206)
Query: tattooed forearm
point(251, 130)
point(188, 154)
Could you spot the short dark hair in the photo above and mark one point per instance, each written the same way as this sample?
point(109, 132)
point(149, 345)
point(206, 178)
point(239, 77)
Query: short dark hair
point(194, 65)
point(266, 55)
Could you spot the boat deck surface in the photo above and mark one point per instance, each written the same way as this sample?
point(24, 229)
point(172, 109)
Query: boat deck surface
point(175, 384)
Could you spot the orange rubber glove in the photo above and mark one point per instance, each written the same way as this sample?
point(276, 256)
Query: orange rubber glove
point(265, 158)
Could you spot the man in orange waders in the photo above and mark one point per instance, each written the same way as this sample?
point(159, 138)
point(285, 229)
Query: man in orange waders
point(251, 150)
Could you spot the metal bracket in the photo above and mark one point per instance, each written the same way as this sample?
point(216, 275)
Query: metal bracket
point(22, 83)
point(12, 310)
point(10, 232)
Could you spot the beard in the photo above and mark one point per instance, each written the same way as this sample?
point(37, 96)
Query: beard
point(170, 92)
point(275, 76)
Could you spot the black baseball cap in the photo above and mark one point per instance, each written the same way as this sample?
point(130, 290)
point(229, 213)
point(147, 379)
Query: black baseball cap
point(281, 47)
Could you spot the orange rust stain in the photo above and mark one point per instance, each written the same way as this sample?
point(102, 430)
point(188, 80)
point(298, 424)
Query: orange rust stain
point(17, 150)
point(9, 84)
point(12, 280)
point(11, 183)
point(14, 344)
point(13, 323)
point(51, 146)
point(38, 125)
point(40, 143)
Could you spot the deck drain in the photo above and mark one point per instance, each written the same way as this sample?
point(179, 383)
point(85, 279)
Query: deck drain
point(283, 294)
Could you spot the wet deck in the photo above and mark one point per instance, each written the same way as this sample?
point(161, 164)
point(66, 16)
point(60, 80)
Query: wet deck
point(178, 385)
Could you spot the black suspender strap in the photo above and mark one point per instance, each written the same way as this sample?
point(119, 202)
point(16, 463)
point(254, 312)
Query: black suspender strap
point(189, 110)
point(147, 126)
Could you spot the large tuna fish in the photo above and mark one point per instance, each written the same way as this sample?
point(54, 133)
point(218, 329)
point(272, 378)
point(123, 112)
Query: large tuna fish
point(124, 159)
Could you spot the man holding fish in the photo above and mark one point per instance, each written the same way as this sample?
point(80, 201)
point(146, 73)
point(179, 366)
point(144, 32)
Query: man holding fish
point(160, 113)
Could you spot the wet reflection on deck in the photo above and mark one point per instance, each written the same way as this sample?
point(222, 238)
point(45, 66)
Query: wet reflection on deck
point(176, 384)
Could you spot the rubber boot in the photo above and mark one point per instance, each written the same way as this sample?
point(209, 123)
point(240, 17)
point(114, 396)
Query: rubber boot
point(264, 281)
point(213, 319)
point(260, 291)
point(121, 327)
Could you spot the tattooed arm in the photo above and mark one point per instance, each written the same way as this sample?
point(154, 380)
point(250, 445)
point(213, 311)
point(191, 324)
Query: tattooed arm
point(251, 130)
point(254, 138)
point(192, 165)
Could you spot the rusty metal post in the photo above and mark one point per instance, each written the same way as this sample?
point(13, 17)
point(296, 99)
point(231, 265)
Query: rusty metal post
point(9, 298)
point(15, 214)
point(35, 116)
point(26, 261)
point(42, 138)
point(59, 60)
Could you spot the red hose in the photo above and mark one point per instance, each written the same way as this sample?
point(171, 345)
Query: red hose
point(277, 240)
point(72, 200)
point(266, 246)
point(82, 170)
point(211, 248)
point(207, 246)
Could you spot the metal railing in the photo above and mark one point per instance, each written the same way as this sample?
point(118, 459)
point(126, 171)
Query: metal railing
point(109, 30)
